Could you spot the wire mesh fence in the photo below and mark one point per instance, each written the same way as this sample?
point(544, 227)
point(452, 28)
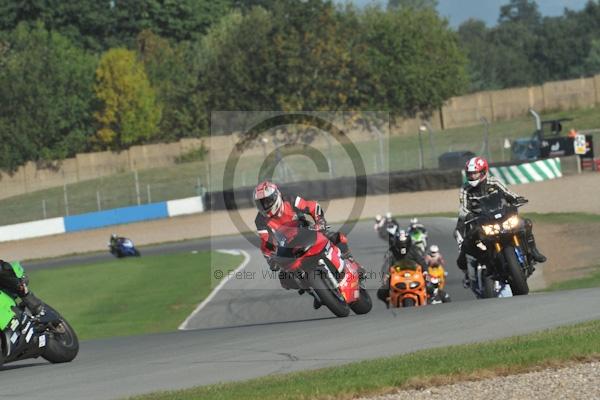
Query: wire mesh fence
point(121, 190)
point(378, 154)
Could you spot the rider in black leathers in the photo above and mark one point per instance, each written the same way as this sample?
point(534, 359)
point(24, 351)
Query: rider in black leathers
point(401, 248)
point(478, 185)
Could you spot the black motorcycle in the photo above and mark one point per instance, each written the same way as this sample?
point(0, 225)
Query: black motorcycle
point(24, 335)
point(499, 242)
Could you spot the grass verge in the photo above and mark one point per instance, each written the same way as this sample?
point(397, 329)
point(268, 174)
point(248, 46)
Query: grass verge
point(423, 368)
point(563, 218)
point(130, 296)
point(590, 281)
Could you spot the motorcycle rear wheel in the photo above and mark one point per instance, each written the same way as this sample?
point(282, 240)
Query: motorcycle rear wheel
point(364, 304)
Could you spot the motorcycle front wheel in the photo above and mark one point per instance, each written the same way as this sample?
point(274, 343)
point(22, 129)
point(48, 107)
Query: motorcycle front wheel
point(408, 302)
point(516, 279)
point(329, 295)
point(62, 345)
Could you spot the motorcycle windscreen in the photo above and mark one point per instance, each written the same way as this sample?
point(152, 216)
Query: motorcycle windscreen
point(492, 203)
point(292, 243)
point(405, 264)
point(17, 269)
point(6, 312)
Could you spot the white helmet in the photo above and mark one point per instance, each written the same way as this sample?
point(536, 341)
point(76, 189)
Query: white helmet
point(434, 249)
point(388, 215)
point(378, 218)
point(414, 221)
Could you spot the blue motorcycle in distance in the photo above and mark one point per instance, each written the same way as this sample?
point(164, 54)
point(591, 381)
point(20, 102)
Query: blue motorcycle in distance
point(122, 247)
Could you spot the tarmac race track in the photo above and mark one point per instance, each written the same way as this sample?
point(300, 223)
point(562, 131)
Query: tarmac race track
point(253, 328)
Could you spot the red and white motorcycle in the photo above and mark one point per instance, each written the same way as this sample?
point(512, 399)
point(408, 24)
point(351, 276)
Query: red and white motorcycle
point(309, 259)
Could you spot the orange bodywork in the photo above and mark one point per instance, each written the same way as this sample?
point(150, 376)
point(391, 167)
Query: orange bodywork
point(407, 287)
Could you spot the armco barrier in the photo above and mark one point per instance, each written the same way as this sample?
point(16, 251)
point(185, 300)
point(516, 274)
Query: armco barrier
point(26, 230)
point(385, 183)
point(190, 205)
point(116, 216)
point(99, 219)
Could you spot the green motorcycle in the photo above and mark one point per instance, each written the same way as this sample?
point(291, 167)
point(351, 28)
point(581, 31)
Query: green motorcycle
point(23, 335)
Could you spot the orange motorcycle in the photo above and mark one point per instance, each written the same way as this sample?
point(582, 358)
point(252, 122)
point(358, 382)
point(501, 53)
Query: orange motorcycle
point(407, 285)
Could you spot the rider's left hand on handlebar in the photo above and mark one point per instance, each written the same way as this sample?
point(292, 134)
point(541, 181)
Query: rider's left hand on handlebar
point(273, 266)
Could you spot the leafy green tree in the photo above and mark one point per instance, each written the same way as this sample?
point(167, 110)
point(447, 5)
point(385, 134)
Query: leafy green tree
point(129, 113)
point(482, 55)
point(415, 63)
point(173, 72)
point(416, 4)
point(592, 61)
point(46, 96)
point(178, 20)
point(87, 23)
point(295, 57)
point(522, 11)
point(99, 25)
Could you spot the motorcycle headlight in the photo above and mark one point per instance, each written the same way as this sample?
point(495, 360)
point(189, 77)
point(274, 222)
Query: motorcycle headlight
point(414, 285)
point(490, 230)
point(510, 223)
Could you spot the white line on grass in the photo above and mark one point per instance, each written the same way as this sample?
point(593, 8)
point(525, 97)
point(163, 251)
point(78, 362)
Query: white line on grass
point(212, 294)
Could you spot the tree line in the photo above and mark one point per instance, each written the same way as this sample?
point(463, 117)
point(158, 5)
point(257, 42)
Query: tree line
point(94, 75)
point(525, 48)
point(107, 74)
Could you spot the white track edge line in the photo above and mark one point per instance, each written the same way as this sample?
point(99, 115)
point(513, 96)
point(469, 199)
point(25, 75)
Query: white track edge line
point(212, 294)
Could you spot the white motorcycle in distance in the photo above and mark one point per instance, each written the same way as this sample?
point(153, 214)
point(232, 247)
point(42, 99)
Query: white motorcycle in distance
point(383, 225)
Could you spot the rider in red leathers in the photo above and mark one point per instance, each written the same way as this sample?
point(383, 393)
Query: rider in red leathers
point(282, 214)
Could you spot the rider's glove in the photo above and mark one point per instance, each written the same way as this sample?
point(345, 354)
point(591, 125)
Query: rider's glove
point(321, 224)
point(521, 200)
point(273, 266)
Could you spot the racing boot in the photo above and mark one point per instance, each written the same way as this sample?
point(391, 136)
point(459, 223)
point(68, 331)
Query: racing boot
point(535, 253)
point(533, 250)
point(316, 302)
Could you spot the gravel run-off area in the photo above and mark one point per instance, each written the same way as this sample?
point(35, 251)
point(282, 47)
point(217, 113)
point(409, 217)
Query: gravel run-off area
point(579, 381)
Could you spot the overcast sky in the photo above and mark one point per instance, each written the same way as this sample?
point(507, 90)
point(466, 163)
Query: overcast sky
point(458, 11)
